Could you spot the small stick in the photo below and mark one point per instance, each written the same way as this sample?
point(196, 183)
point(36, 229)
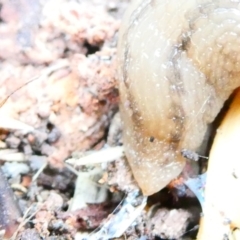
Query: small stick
point(104, 155)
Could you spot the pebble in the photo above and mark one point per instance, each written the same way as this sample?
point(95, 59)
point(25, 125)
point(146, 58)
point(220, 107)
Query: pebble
point(30, 234)
point(36, 139)
point(44, 194)
point(14, 169)
point(36, 162)
point(44, 111)
point(13, 142)
point(47, 150)
point(54, 135)
point(27, 150)
point(54, 201)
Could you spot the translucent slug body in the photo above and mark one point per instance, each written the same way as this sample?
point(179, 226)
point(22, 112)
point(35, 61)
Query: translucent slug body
point(178, 63)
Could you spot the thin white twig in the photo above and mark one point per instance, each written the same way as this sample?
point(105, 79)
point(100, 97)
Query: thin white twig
point(104, 155)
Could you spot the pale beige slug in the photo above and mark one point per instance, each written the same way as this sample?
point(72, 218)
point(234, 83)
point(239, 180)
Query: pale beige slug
point(178, 63)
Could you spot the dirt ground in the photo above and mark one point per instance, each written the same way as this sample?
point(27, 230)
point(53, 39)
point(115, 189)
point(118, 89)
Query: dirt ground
point(59, 98)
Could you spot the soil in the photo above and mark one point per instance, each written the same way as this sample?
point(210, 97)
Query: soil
point(59, 99)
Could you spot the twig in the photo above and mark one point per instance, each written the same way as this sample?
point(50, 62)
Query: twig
point(104, 155)
point(24, 222)
point(36, 175)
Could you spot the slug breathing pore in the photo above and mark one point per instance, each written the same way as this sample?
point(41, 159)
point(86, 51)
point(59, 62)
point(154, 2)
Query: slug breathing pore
point(179, 61)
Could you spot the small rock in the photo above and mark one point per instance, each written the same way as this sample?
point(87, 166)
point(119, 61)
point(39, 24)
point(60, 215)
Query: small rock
point(170, 224)
point(44, 194)
point(36, 162)
point(19, 134)
point(58, 180)
point(54, 201)
point(57, 225)
point(43, 111)
point(27, 150)
point(14, 169)
point(47, 150)
point(112, 6)
point(13, 142)
point(54, 135)
point(36, 139)
point(30, 234)
point(26, 181)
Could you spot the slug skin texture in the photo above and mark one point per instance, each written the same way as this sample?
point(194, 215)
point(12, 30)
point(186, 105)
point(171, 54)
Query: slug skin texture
point(178, 61)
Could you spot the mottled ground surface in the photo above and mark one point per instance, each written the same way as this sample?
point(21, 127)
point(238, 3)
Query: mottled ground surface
point(59, 97)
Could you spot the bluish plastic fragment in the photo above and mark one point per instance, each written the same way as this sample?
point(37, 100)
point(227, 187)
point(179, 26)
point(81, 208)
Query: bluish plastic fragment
point(197, 186)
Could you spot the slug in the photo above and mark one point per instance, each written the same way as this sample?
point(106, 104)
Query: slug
point(178, 62)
